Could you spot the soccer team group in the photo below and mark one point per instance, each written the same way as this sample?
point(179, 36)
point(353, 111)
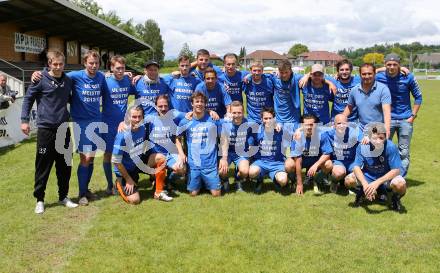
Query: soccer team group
point(191, 125)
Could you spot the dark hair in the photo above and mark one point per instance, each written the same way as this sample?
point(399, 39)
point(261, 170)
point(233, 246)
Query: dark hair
point(367, 65)
point(309, 116)
point(210, 70)
point(267, 110)
point(163, 96)
point(184, 58)
point(284, 65)
point(342, 62)
point(202, 52)
point(198, 94)
point(228, 55)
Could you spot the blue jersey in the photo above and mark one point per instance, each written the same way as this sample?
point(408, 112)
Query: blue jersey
point(377, 165)
point(128, 147)
point(341, 97)
point(369, 104)
point(234, 85)
point(180, 92)
point(239, 137)
point(218, 98)
point(200, 74)
point(287, 100)
point(311, 148)
point(258, 96)
point(316, 101)
point(201, 140)
point(400, 88)
point(146, 93)
point(162, 131)
point(272, 146)
point(343, 146)
point(114, 102)
point(86, 95)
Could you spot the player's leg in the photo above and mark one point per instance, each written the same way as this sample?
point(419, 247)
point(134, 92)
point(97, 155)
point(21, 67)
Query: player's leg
point(338, 172)
point(398, 187)
point(109, 139)
point(158, 161)
point(195, 182)
point(404, 135)
point(63, 172)
point(211, 179)
point(242, 172)
point(257, 172)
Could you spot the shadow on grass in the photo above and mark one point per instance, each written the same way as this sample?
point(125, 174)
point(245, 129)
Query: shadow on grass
point(413, 183)
point(7, 149)
point(385, 207)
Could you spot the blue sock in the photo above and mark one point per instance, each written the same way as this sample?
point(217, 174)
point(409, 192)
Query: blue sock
point(108, 174)
point(89, 175)
point(83, 175)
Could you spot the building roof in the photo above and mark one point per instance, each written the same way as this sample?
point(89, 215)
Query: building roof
point(63, 19)
point(433, 58)
point(264, 55)
point(320, 56)
point(214, 56)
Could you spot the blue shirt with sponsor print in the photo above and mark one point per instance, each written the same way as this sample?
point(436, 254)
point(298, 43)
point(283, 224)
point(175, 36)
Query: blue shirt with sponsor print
point(317, 100)
point(287, 99)
point(128, 147)
point(311, 148)
point(147, 92)
point(180, 92)
point(201, 140)
point(272, 145)
point(162, 131)
point(375, 164)
point(341, 98)
point(218, 98)
point(201, 76)
point(401, 86)
point(239, 137)
point(343, 146)
point(369, 104)
point(258, 96)
point(114, 102)
point(86, 95)
point(233, 84)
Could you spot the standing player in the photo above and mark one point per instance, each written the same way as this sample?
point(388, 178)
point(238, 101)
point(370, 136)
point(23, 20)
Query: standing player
point(218, 99)
point(259, 93)
point(150, 86)
point(377, 169)
point(202, 62)
point(235, 137)
point(114, 107)
point(271, 155)
point(201, 139)
point(310, 151)
point(402, 116)
point(52, 94)
point(232, 79)
point(372, 99)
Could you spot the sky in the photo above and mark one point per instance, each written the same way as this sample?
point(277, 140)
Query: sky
point(227, 25)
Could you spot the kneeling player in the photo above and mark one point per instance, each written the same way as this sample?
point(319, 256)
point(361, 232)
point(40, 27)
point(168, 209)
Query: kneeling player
point(271, 155)
point(127, 151)
point(201, 140)
point(377, 169)
point(310, 151)
point(234, 140)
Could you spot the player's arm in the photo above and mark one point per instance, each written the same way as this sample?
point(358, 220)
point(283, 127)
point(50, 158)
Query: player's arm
point(371, 188)
point(331, 86)
point(129, 182)
point(361, 178)
point(179, 146)
point(28, 101)
point(417, 95)
point(322, 159)
point(348, 110)
point(386, 109)
point(298, 168)
point(224, 145)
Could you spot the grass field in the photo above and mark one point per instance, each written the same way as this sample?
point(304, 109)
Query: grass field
point(240, 232)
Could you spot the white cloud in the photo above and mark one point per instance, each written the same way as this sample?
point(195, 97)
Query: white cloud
point(224, 26)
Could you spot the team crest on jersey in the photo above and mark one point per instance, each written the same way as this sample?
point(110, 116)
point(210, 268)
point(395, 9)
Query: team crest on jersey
point(381, 159)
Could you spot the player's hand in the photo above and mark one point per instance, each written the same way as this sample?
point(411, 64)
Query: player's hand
point(297, 134)
point(136, 79)
point(278, 127)
point(223, 165)
point(25, 128)
point(332, 88)
point(108, 74)
point(312, 170)
point(175, 74)
point(214, 115)
point(299, 189)
point(247, 79)
point(129, 186)
point(365, 140)
point(122, 127)
point(36, 76)
point(189, 115)
point(304, 80)
point(411, 119)
point(182, 159)
point(404, 70)
point(371, 190)
point(129, 74)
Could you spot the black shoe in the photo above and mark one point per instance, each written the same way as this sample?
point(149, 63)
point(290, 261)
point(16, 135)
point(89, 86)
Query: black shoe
point(359, 199)
point(239, 185)
point(396, 205)
point(308, 181)
point(277, 187)
point(225, 186)
point(258, 186)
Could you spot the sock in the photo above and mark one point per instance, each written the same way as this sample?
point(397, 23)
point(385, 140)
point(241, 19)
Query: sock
point(107, 166)
point(83, 175)
point(160, 177)
point(89, 177)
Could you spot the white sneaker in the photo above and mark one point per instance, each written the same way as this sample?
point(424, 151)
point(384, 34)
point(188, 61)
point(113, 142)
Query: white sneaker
point(163, 196)
point(39, 208)
point(68, 203)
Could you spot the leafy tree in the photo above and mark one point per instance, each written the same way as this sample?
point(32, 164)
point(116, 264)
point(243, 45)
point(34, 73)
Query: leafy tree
point(149, 32)
point(89, 5)
point(297, 49)
point(374, 58)
point(186, 51)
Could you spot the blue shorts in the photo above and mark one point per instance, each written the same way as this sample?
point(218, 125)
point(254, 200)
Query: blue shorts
point(308, 162)
point(209, 177)
point(269, 167)
point(348, 166)
point(87, 144)
point(236, 159)
point(109, 139)
point(134, 174)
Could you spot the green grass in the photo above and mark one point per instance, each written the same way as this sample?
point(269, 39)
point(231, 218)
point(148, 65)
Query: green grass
point(234, 233)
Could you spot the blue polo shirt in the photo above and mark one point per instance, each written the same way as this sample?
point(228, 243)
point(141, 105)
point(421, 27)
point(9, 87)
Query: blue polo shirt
point(287, 99)
point(233, 84)
point(180, 91)
point(258, 96)
point(218, 98)
point(369, 104)
point(317, 101)
point(401, 86)
point(342, 94)
point(375, 166)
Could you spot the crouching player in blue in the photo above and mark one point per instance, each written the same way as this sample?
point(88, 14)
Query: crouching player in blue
point(310, 151)
point(377, 170)
point(201, 139)
point(235, 137)
point(344, 141)
point(271, 155)
point(127, 156)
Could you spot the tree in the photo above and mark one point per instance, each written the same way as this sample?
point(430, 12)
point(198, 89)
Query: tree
point(89, 5)
point(186, 51)
point(150, 33)
point(242, 53)
point(374, 58)
point(297, 49)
